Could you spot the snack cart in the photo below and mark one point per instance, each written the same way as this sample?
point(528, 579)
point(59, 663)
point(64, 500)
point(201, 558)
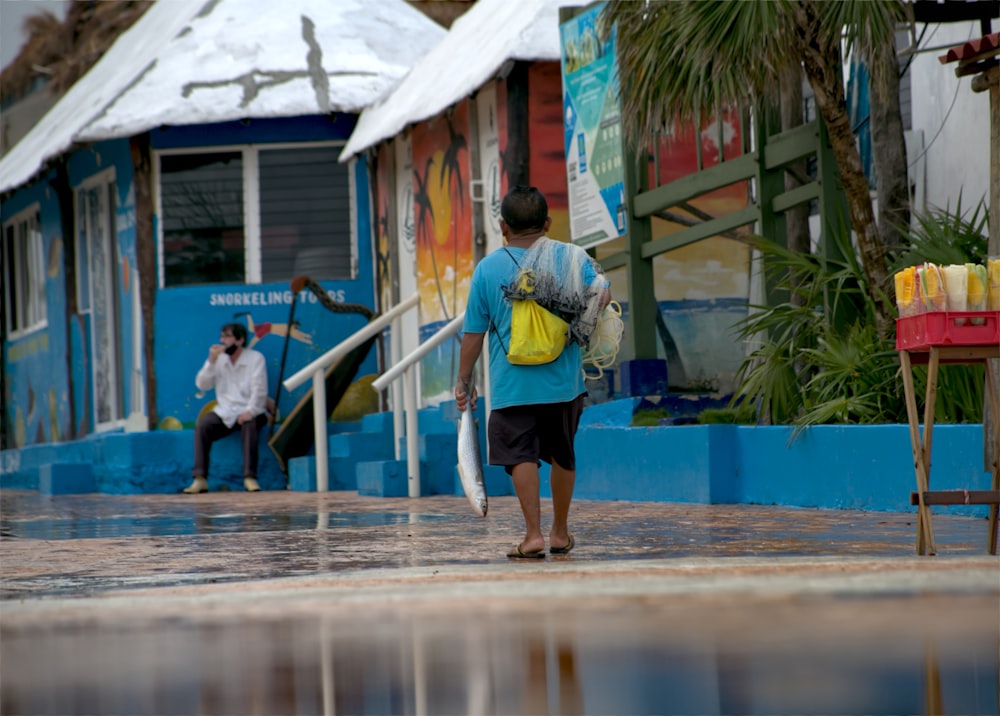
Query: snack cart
point(932, 339)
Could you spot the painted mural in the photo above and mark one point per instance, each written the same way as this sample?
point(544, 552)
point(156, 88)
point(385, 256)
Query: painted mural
point(443, 222)
point(547, 170)
point(383, 251)
point(36, 391)
point(702, 289)
point(188, 320)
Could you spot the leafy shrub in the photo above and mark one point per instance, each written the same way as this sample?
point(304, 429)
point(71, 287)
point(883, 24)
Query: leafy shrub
point(819, 359)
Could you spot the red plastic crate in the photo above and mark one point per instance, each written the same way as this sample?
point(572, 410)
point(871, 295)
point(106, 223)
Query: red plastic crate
point(948, 328)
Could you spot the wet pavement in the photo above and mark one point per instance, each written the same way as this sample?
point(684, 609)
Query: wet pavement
point(303, 603)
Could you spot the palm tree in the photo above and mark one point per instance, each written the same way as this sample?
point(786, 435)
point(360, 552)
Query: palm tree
point(680, 59)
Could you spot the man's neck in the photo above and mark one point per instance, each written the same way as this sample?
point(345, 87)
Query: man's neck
point(235, 356)
point(525, 240)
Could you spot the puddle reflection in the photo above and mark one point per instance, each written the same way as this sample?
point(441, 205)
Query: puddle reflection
point(98, 527)
point(636, 658)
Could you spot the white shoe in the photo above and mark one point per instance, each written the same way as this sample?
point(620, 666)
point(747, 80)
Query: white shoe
point(250, 484)
point(197, 486)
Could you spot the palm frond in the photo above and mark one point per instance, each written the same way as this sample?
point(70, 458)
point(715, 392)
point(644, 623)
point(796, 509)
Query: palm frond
point(944, 236)
point(681, 60)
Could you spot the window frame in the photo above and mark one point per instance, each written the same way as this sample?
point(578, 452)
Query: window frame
point(35, 289)
point(250, 154)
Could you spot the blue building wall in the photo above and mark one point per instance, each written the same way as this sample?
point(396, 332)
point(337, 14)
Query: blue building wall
point(46, 368)
point(82, 166)
point(188, 318)
point(37, 387)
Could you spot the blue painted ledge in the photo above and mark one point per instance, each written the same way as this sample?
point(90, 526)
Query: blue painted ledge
point(831, 466)
point(156, 462)
point(864, 467)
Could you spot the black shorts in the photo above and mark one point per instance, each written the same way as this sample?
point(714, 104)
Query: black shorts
point(532, 433)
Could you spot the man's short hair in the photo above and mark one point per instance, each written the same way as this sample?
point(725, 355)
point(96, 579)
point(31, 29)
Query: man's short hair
point(524, 209)
point(237, 329)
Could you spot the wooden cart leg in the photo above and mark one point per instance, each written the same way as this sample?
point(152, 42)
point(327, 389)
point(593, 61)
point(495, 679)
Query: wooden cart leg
point(930, 402)
point(993, 397)
point(925, 533)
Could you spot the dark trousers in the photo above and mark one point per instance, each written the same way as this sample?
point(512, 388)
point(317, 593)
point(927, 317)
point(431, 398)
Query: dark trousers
point(211, 428)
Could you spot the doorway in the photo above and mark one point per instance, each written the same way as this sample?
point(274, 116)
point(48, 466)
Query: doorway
point(99, 294)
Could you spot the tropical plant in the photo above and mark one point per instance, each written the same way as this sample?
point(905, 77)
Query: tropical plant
point(808, 370)
point(740, 415)
point(649, 417)
point(943, 237)
point(683, 59)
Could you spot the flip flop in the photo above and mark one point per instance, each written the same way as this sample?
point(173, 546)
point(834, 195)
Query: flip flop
point(518, 553)
point(566, 549)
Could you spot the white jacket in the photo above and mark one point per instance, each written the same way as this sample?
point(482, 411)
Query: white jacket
point(240, 387)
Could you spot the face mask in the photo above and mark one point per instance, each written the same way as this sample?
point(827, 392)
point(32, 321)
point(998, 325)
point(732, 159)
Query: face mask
point(230, 349)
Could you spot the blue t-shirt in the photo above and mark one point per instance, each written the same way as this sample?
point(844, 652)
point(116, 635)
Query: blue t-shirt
point(556, 382)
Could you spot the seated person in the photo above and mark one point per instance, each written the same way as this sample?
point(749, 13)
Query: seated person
point(239, 376)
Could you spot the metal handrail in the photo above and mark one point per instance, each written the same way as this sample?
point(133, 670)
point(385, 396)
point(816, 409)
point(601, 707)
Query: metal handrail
point(316, 370)
point(453, 326)
point(404, 368)
point(347, 345)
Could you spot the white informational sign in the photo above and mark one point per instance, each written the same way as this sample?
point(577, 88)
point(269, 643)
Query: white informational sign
point(595, 171)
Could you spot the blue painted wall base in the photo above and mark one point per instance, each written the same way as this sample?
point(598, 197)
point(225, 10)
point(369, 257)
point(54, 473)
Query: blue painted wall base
point(66, 479)
point(155, 462)
point(831, 466)
point(302, 474)
point(865, 467)
point(347, 450)
point(383, 478)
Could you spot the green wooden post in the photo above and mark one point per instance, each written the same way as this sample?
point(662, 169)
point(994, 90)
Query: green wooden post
point(835, 218)
point(642, 307)
point(832, 200)
point(770, 184)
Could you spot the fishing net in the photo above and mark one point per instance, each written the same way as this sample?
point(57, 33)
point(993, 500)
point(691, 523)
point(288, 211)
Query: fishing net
point(602, 352)
point(559, 285)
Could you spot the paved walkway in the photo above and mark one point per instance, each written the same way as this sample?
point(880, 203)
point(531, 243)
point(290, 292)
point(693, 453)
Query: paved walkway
point(91, 544)
point(283, 602)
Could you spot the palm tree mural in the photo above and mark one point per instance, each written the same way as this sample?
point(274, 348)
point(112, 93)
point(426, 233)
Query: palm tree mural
point(383, 269)
point(439, 198)
point(450, 179)
point(425, 224)
point(678, 58)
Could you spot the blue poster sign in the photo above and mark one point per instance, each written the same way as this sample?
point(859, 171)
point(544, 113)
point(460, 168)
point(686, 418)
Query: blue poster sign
point(595, 172)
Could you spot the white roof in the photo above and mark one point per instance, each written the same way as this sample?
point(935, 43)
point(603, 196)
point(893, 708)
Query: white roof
point(489, 34)
point(119, 66)
point(201, 61)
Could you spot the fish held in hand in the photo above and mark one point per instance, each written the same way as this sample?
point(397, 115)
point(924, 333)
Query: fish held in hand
point(470, 464)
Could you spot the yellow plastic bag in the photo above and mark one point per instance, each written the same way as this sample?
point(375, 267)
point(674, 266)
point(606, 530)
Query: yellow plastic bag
point(537, 336)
